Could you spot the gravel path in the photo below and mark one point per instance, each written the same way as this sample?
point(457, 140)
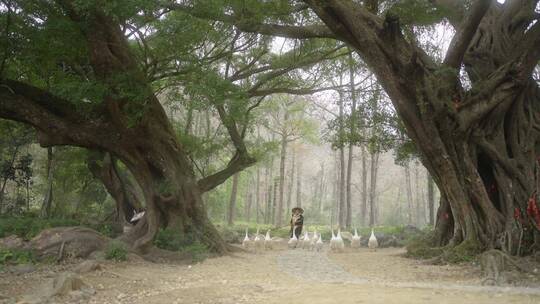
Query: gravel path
point(314, 266)
point(317, 267)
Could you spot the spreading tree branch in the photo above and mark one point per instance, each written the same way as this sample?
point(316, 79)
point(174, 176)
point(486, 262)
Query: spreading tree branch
point(55, 119)
point(465, 33)
point(250, 26)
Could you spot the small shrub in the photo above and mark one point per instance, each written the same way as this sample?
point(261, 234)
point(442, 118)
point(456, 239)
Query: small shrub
point(16, 256)
point(171, 239)
point(29, 227)
point(116, 251)
point(198, 251)
point(421, 246)
point(464, 252)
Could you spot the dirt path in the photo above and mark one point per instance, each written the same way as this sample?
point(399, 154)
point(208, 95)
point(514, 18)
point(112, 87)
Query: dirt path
point(283, 276)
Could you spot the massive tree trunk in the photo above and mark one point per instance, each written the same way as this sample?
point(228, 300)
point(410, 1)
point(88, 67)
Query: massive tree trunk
point(48, 197)
point(479, 145)
point(146, 142)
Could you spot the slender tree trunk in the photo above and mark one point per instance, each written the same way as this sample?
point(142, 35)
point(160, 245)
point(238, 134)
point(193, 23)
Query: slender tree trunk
point(408, 189)
point(373, 188)
point(257, 195)
point(363, 209)
point(232, 201)
point(342, 216)
point(283, 157)
point(351, 144)
point(249, 201)
point(291, 184)
point(417, 198)
point(5, 180)
point(275, 202)
point(431, 198)
point(299, 184)
point(348, 194)
point(48, 197)
point(322, 186)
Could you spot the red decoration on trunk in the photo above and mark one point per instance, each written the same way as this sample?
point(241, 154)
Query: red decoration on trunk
point(532, 211)
point(517, 214)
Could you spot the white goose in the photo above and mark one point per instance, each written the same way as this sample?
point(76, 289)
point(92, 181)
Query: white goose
point(293, 241)
point(319, 244)
point(355, 242)
point(259, 241)
point(333, 241)
point(268, 241)
point(306, 241)
point(246, 243)
point(372, 243)
point(315, 236)
point(340, 245)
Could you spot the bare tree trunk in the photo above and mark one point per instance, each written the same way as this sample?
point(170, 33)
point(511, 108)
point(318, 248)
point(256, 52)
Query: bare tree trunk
point(322, 186)
point(257, 195)
point(408, 189)
point(373, 188)
point(417, 198)
point(341, 207)
point(48, 197)
point(431, 198)
point(232, 200)
point(4, 182)
point(249, 201)
point(268, 211)
point(363, 209)
point(274, 201)
point(299, 184)
point(348, 219)
point(283, 156)
point(291, 185)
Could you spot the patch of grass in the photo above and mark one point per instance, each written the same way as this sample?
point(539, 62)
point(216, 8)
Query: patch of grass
point(116, 251)
point(466, 251)
point(421, 246)
point(16, 256)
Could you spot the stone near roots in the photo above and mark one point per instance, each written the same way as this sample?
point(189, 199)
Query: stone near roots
point(12, 242)
point(87, 266)
point(21, 269)
point(70, 242)
point(65, 283)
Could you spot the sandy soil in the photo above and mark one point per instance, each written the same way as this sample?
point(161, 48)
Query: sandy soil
point(280, 276)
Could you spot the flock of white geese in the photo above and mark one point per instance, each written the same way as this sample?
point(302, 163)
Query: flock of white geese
point(315, 242)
